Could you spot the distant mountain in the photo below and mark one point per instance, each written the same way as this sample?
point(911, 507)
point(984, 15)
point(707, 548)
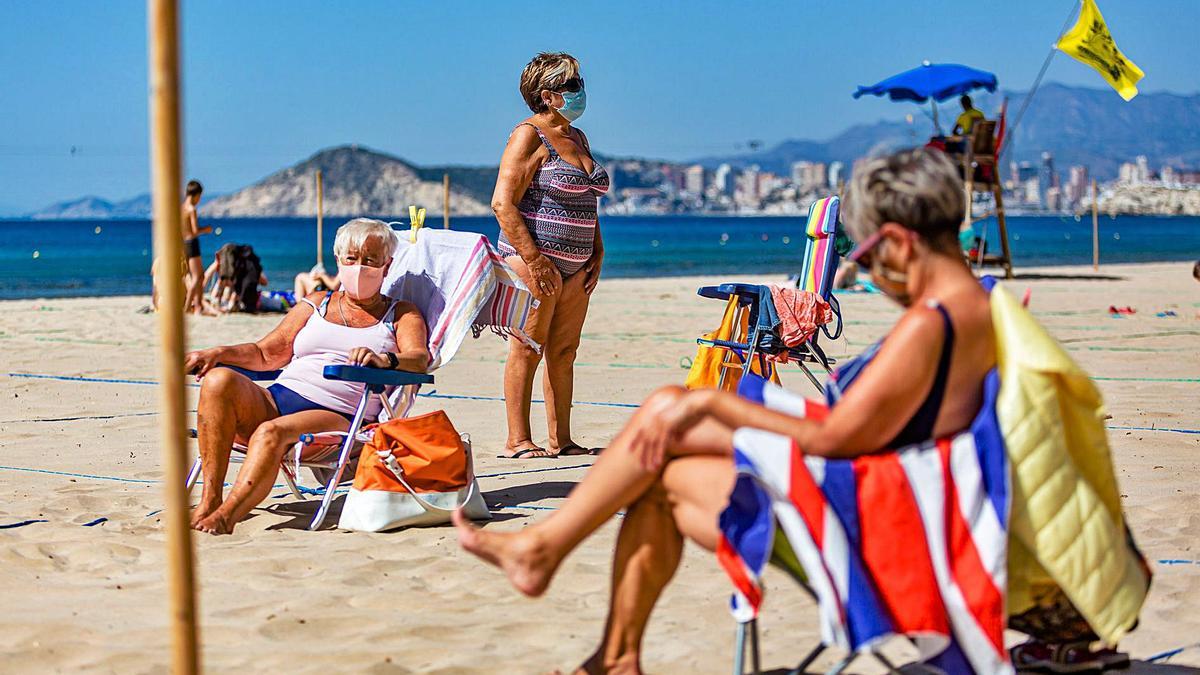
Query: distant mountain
point(357, 181)
point(95, 208)
point(1077, 125)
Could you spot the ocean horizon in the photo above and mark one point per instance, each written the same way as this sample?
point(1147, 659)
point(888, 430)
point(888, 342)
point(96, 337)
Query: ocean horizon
point(82, 258)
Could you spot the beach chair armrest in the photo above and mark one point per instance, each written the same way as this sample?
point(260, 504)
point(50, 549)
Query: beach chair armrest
point(255, 375)
point(376, 378)
point(747, 293)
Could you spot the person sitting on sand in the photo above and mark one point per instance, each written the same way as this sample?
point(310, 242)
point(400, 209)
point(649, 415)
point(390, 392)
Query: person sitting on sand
point(671, 468)
point(357, 325)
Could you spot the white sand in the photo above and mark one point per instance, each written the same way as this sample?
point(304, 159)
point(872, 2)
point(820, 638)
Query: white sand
point(275, 596)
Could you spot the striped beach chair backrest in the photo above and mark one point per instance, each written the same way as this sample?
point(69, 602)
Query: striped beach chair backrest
point(820, 258)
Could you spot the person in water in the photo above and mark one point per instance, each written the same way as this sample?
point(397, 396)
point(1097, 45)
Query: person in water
point(545, 201)
point(356, 325)
point(671, 468)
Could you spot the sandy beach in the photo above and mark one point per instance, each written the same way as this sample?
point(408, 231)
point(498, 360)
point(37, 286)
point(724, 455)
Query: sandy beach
point(78, 443)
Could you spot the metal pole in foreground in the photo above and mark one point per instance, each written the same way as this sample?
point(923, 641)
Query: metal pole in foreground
point(320, 216)
point(1095, 229)
point(163, 26)
point(446, 201)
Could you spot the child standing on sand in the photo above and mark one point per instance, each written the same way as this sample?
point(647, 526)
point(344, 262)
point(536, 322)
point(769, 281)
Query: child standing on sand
point(191, 230)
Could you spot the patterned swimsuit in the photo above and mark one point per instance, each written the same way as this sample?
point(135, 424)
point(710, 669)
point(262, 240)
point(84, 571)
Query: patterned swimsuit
point(559, 209)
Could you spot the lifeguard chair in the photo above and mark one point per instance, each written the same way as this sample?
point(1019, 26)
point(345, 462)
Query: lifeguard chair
point(981, 175)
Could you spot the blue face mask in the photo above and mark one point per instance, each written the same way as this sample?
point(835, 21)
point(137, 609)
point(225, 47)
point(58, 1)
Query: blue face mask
point(574, 103)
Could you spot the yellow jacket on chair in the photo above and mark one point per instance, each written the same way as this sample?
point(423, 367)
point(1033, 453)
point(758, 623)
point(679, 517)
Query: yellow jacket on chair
point(1067, 528)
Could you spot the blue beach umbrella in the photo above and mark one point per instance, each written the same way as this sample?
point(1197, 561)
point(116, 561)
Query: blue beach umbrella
point(931, 81)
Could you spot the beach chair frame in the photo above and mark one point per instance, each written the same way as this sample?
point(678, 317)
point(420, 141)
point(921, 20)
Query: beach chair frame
point(376, 381)
point(819, 265)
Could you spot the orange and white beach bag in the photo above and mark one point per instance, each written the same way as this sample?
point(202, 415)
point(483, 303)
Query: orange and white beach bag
point(414, 471)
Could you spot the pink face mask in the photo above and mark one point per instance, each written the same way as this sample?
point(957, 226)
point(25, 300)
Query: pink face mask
point(360, 281)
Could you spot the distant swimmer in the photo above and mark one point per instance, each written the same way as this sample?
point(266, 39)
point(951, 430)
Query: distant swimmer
point(191, 230)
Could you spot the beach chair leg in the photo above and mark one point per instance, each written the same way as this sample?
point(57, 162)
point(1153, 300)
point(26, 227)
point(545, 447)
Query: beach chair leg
point(739, 650)
point(343, 459)
point(811, 378)
point(291, 481)
point(755, 662)
point(193, 475)
point(842, 665)
point(886, 663)
point(808, 660)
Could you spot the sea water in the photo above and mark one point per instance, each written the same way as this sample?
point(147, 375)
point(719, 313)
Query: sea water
point(66, 258)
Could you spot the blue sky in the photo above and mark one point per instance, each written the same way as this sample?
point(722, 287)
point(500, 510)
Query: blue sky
point(269, 83)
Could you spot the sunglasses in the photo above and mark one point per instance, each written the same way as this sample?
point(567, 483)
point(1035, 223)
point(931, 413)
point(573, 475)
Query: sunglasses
point(862, 253)
point(572, 85)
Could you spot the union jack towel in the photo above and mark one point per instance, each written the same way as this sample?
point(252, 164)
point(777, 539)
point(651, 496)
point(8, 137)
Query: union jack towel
point(908, 542)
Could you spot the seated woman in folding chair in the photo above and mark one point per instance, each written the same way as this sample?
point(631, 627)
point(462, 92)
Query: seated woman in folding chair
point(671, 467)
point(356, 325)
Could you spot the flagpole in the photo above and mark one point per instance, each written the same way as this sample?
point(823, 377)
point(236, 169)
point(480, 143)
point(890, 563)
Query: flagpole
point(1076, 5)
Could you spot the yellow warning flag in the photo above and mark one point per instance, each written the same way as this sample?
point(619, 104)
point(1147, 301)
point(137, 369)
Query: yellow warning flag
point(1090, 42)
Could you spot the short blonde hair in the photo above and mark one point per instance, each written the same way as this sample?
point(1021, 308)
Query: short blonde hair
point(918, 188)
point(546, 71)
point(356, 233)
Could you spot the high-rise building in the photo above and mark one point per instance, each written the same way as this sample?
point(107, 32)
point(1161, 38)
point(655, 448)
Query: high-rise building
point(1127, 173)
point(725, 180)
point(1167, 176)
point(1143, 170)
point(1047, 177)
point(1077, 185)
point(837, 172)
point(693, 179)
point(800, 172)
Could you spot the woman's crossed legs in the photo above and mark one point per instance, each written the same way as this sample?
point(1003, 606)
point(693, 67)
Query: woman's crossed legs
point(684, 499)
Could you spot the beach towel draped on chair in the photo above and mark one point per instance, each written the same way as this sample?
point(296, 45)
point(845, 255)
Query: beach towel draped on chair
point(462, 285)
point(909, 542)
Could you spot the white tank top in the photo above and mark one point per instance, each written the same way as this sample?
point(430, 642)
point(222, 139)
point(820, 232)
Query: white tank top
point(323, 343)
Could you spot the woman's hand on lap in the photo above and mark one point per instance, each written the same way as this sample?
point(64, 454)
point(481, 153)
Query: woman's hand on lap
point(362, 356)
point(201, 361)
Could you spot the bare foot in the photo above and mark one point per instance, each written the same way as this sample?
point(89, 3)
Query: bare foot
point(203, 510)
point(215, 523)
point(523, 559)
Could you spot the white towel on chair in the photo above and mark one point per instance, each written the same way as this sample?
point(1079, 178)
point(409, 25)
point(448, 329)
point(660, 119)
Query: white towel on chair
point(460, 284)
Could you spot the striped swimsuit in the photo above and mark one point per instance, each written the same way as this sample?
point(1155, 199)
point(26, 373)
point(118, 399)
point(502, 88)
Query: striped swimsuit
point(559, 209)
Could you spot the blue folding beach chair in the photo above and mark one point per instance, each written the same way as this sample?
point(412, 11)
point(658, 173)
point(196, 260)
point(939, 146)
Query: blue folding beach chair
point(761, 337)
point(321, 448)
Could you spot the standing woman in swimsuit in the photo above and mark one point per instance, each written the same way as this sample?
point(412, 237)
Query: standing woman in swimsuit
point(545, 201)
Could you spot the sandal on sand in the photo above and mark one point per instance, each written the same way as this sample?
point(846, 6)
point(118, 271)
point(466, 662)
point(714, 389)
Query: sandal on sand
point(1066, 658)
point(532, 452)
point(575, 449)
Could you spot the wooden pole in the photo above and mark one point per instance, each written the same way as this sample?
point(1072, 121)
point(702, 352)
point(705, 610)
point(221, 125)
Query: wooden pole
point(320, 216)
point(1095, 228)
point(446, 201)
point(165, 153)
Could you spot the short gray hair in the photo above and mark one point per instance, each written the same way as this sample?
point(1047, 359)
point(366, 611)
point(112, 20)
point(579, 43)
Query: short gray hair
point(356, 233)
point(919, 189)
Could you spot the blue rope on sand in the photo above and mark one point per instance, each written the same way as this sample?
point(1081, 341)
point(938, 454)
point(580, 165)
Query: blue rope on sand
point(23, 523)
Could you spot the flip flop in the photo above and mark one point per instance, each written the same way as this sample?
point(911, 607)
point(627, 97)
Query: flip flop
point(529, 453)
point(575, 450)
